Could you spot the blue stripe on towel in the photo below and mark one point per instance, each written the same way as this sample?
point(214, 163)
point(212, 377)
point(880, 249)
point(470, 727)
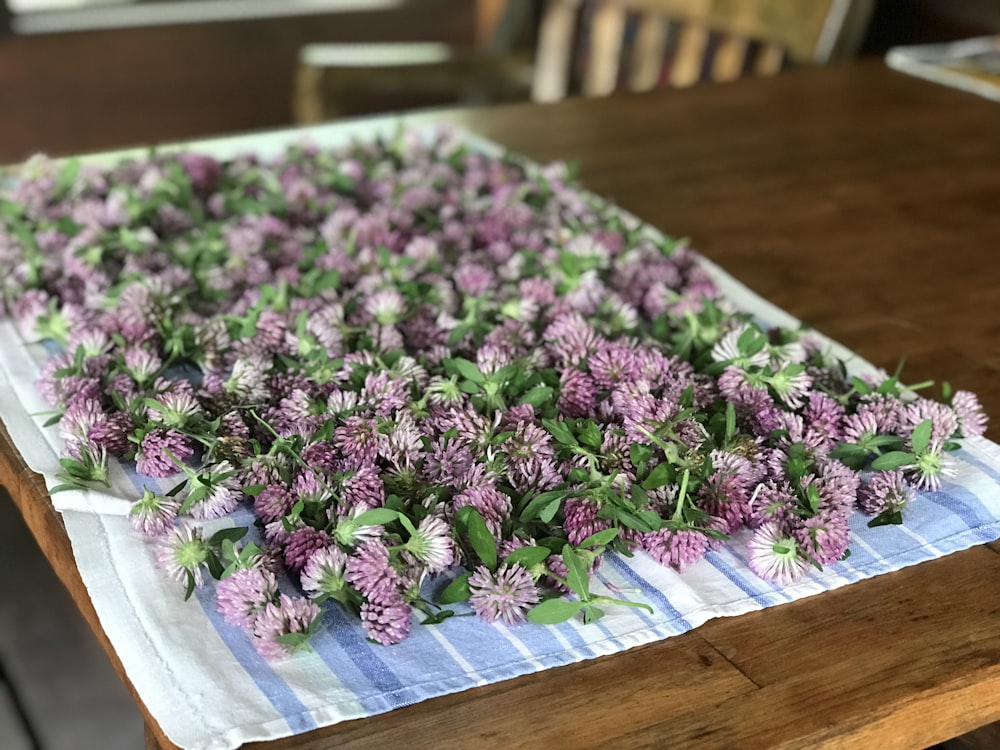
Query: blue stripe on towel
point(650, 591)
point(271, 686)
point(963, 504)
point(968, 458)
point(342, 643)
point(634, 611)
point(750, 588)
point(275, 689)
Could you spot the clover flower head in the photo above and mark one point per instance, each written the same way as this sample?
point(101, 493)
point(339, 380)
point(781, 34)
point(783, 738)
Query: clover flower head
point(78, 420)
point(931, 468)
point(944, 421)
point(182, 554)
point(369, 570)
point(774, 555)
point(160, 451)
point(323, 574)
point(676, 547)
point(244, 594)
point(386, 621)
point(885, 491)
point(506, 595)
point(216, 490)
point(301, 544)
point(969, 413)
point(142, 364)
point(431, 544)
point(289, 615)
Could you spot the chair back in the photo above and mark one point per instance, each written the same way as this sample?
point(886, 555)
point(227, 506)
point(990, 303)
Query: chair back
point(594, 47)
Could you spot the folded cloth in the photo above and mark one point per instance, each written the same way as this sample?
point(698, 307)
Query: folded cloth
point(971, 65)
point(209, 689)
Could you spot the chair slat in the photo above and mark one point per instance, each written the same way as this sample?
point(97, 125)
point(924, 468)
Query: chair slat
point(769, 60)
point(604, 60)
point(646, 63)
point(555, 47)
point(730, 57)
point(689, 57)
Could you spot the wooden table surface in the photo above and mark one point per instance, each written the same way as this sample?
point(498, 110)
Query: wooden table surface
point(866, 203)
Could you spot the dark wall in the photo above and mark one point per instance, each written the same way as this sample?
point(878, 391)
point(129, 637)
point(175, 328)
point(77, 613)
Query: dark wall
point(926, 21)
point(85, 91)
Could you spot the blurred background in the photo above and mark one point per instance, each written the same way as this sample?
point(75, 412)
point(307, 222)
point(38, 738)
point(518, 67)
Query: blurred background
point(85, 75)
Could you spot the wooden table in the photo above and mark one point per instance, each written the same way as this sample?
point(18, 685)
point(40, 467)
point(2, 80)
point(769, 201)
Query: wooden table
point(866, 203)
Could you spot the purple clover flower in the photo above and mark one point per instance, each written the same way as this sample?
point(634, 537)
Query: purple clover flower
point(243, 595)
point(289, 615)
point(386, 621)
point(506, 595)
point(154, 455)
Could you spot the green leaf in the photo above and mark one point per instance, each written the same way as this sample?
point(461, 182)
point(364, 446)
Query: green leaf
point(640, 454)
point(504, 374)
point(553, 611)
point(644, 520)
point(544, 506)
point(560, 431)
point(527, 557)
point(481, 539)
point(176, 488)
point(591, 435)
point(851, 455)
point(538, 395)
point(458, 333)
point(861, 386)
point(886, 518)
point(662, 474)
point(294, 641)
point(893, 460)
point(921, 436)
point(600, 538)
point(67, 177)
point(438, 617)
point(591, 614)
point(456, 591)
point(65, 487)
point(730, 421)
point(152, 403)
point(638, 497)
point(469, 386)
point(215, 567)
point(882, 441)
point(190, 584)
point(377, 517)
point(577, 571)
point(715, 534)
point(812, 496)
point(233, 534)
point(465, 368)
point(254, 489)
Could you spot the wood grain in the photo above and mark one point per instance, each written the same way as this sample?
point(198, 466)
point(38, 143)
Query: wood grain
point(864, 202)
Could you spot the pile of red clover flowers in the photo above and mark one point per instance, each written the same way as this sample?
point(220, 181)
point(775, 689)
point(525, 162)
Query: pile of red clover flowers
point(436, 376)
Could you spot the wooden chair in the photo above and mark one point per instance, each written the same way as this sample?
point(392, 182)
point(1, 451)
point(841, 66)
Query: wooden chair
point(333, 77)
point(582, 43)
